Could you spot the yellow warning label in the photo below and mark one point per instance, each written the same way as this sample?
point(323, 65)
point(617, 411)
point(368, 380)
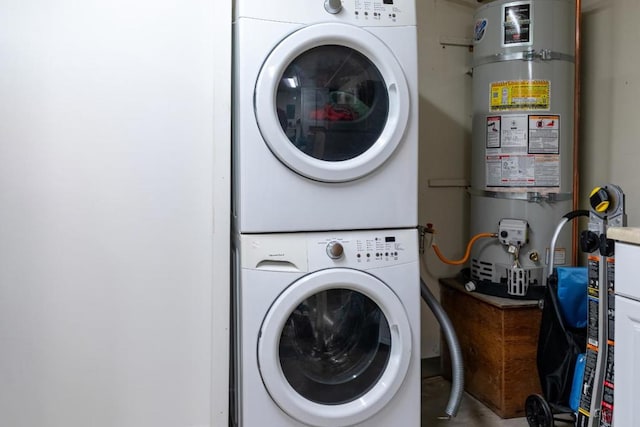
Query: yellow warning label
point(518, 95)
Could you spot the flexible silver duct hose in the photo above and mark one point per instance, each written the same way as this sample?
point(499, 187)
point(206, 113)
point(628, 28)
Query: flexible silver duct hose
point(457, 366)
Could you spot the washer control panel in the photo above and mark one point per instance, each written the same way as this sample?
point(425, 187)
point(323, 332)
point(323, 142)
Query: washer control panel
point(300, 252)
point(362, 249)
point(378, 12)
point(389, 11)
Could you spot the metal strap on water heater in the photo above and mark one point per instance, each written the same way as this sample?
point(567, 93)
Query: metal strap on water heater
point(529, 196)
point(527, 55)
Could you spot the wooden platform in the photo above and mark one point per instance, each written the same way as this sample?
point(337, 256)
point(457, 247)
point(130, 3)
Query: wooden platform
point(498, 338)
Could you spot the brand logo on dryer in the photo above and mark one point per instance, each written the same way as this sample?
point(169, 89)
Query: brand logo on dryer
point(276, 255)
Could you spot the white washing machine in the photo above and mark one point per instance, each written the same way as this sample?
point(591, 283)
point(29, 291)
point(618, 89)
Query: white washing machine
point(325, 123)
point(328, 329)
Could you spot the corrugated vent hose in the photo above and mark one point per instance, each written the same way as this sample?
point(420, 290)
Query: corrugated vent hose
point(457, 365)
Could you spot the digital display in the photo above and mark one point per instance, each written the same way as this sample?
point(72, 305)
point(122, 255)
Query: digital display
point(387, 1)
point(389, 239)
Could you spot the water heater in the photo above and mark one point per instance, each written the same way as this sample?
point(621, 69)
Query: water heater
point(522, 142)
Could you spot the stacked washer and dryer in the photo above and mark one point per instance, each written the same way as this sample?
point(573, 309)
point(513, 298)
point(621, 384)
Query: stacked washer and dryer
point(325, 248)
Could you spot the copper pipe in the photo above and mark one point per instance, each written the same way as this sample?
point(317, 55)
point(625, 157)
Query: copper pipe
point(576, 130)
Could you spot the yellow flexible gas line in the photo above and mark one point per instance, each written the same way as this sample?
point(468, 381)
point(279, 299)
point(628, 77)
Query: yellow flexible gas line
point(467, 253)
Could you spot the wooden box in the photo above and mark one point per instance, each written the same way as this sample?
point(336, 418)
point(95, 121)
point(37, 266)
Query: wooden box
point(498, 338)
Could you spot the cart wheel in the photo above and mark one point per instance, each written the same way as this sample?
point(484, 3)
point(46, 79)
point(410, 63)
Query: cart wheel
point(538, 411)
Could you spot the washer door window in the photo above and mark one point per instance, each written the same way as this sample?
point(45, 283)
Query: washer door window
point(334, 347)
point(331, 102)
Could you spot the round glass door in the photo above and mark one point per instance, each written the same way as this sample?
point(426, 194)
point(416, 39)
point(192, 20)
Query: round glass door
point(334, 347)
point(331, 102)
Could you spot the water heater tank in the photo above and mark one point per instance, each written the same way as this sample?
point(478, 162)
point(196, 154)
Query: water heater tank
point(522, 141)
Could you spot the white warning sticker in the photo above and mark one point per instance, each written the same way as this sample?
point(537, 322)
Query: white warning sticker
point(544, 134)
point(523, 151)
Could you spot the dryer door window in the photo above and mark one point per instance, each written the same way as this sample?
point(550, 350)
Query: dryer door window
point(332, 102)
point(335, 347)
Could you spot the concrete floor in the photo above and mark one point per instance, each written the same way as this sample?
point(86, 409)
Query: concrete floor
point(472, 413)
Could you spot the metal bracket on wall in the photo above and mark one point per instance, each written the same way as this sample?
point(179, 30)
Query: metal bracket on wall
point(456, 41)
point(448, 183)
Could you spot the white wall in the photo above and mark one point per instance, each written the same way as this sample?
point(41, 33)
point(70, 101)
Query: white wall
point(221, 212)
point(610, 92)
point(106, 165)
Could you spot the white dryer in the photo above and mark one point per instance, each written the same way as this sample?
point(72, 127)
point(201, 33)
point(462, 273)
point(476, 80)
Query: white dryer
point(328, 329)
point(325, 115)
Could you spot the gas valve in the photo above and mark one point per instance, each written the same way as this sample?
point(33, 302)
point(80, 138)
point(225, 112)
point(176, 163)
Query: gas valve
point(513, 232)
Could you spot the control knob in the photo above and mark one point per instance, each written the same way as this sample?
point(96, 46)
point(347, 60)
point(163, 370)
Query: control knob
point(335, 250)
point(333, 6)
point(599, 200)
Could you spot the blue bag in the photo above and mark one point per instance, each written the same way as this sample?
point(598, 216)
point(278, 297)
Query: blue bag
point(572, 295)
point(576, 385)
